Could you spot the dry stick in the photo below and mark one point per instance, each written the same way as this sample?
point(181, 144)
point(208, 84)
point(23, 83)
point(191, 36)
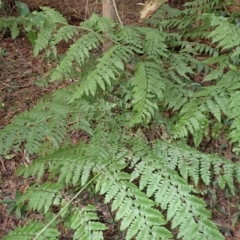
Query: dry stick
point(86, 8)
point(116, 12)
point(2, 161)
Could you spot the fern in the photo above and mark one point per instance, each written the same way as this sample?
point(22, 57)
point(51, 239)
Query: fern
point(136, 210)
point(144, 90)
point(41, 198)
point(114, 57)
point(87, 224)
point(149, 78)
point(77, 52)
point(225, 33)
point(158, 179)
point(29, 231)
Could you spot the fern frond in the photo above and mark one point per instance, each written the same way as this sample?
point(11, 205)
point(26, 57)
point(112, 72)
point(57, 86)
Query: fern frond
point(32, 126)
point(157, 171)
point(78, 52)
point(86, 223)
point(13, 23)
point(36, 169)
point(54, 15)
point(97, 23)
point(198, 5)
point(175, 97)
point(130, 36)
point(226, 35)
point(136, 210)
point(165, 17)
point(147, 84)
point(195, 165)
point(64, 33)
point(102, 76)
point(38, 126)
point(44, 37)
point(174, 194)
point(50, 18)
point(29, 231)
point(41, 198)
point(192, 119)
point(216, 74)
point(180, 65)
point(234, 118)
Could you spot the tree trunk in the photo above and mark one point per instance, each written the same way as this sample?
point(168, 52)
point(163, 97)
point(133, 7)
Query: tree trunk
point(108, 9)
point(109, 12)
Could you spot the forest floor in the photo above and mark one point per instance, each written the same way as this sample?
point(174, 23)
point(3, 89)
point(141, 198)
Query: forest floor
point(19, 71)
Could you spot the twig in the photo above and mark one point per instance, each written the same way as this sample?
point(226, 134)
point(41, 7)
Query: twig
point(5, 84)
point(117, 14)
point(1, 159)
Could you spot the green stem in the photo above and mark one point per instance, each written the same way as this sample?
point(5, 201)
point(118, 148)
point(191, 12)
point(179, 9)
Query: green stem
point(78, 193)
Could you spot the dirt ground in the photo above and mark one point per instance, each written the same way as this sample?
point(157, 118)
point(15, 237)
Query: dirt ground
point(19, 70)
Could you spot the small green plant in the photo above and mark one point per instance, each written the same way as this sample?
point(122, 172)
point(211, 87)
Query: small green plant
point(2, 52)
point(151, 183)
point(13, 205)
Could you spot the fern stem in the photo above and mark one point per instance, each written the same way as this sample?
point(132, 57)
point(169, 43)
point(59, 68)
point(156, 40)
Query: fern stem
point(78, 193)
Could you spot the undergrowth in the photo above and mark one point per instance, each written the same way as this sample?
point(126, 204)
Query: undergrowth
point(119, 99)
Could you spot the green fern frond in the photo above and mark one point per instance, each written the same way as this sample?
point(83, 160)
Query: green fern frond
point(175, 97)
point(211, 101)
point(188, 212)
point(41, 198)
point(192, 119)
point(36, 169)
point(32, 126)
point(216, 74)
point(44, 37)
point(86, 223)
point(214, 109)
point(50, 18)
point(147, 86)
point(39, 165)
point(180, 65)
point(38, 126)
point(78, 52)
point(226, 35)
point(72, 170)
point(29, 231)
point(198, 5)
point(64, 33)
point(12, 23)
point(97, 23)
point(130, 36)
point(195, 165)
point(136, 210)
point(102, 76)
point(234, 118)
point(155, 48)
point(54, 15)
point(166, 17)
point(158, 176)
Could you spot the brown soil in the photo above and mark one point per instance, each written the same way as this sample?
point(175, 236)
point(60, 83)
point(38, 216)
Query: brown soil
point(19, 70)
